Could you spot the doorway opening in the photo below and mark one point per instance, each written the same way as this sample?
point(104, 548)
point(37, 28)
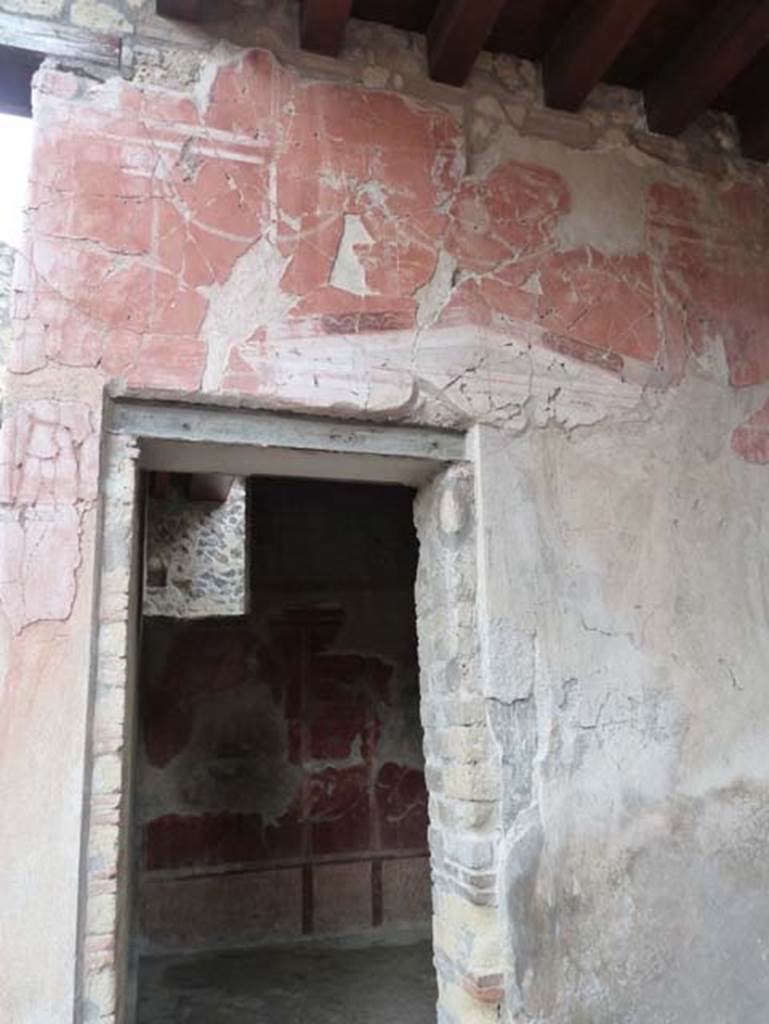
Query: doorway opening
point(280, 813)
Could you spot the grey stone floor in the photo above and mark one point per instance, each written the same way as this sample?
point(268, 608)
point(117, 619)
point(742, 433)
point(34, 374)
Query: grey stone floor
point(308, 983)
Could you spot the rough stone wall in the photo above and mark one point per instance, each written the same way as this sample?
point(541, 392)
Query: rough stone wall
point(304, 235)
point(195, 553)
point(108, 16)
point(282, 765)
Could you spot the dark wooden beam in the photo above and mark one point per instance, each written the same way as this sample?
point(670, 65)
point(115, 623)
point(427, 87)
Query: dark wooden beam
point(456, 36)
point(185, 10)
point(754, 133)
point(323, 24)
point(591, 40)
point(719, 48)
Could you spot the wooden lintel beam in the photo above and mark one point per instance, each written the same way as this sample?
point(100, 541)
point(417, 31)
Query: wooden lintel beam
point(592, 38)
point(48, 39)
point(754, 134)
point(322, 25)
point(457, 34)
point(721, 46)
point(184, 10)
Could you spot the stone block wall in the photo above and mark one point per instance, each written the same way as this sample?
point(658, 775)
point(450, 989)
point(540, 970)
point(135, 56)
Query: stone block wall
point(109, 16)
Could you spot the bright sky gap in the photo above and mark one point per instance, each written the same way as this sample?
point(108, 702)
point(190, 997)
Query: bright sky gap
point(15, 146)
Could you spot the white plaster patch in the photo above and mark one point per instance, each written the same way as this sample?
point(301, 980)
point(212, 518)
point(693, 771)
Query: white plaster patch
point(348, 273)
point(250, 298)
point(509, 658)
point(608, 207)
point(451, 512)
point(335, 373)
point(608, 194)
point(434, 295)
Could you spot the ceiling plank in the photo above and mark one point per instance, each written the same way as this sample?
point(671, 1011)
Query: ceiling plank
point(184, 10)
point(587, 46)
point(323, 24)
point(457, 33)
point(754, 134)
point(721, 46)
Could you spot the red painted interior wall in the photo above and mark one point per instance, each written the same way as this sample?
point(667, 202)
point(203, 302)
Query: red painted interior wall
point(281, 784)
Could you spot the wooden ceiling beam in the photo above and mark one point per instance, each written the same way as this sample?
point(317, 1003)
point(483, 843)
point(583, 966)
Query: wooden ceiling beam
point(587, 46)
point(322, 25)
point(457, 34)
point(719, 48)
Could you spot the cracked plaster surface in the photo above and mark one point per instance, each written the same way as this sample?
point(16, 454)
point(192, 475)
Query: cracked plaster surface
point(48, 471)
point(312, 244)
point(629, 741)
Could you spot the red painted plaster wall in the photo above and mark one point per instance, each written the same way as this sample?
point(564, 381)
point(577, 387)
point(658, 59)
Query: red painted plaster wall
point(284, 749)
